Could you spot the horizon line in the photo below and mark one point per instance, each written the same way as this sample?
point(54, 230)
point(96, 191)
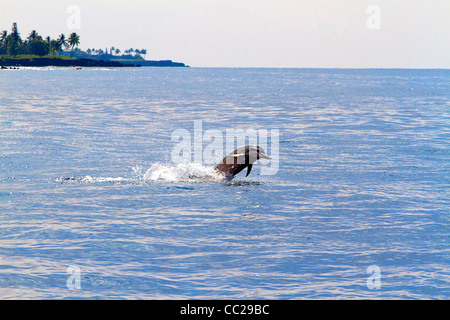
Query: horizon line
point(333, 68)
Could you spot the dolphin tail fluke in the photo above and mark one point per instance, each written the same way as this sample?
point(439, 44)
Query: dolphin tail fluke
point(249, 168)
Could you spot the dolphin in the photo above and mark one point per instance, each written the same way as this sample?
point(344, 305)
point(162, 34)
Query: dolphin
point(240, 159)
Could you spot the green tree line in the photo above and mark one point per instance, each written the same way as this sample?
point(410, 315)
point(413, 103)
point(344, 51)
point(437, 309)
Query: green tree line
point(116, 51)
point(12, 43)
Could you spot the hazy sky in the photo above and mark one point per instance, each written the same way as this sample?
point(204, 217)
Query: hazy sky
point(251, 33)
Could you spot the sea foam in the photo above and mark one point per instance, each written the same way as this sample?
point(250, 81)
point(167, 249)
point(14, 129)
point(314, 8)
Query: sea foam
point(183, 172)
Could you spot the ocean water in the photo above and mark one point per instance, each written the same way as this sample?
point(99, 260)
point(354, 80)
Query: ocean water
point(358, 209)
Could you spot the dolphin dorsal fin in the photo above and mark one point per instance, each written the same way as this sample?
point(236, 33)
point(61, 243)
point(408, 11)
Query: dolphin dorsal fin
point(249, 168)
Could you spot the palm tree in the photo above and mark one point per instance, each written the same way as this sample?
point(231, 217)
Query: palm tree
point(54, 46)
point(62, 42)
point(3, 37)
point(74, 40)
point(13, 41)
point(144, 52)
point(58, 46)
point(117, 51)
point(34, 36)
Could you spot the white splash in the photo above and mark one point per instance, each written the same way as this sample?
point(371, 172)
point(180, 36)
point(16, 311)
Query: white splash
point(103, 179)
point(161, 172)
point(189, 172)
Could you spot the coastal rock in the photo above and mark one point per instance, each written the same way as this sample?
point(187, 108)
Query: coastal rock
point(55, 62)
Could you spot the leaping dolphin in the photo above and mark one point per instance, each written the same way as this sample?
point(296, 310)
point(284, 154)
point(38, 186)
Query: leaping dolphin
point(240, 159)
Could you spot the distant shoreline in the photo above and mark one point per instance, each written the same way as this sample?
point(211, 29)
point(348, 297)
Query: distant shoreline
point(56, 62)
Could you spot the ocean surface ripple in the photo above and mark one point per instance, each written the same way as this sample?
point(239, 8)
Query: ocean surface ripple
point(86, 181)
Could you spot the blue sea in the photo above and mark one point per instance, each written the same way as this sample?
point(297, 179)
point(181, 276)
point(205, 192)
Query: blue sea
point(92, 207)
